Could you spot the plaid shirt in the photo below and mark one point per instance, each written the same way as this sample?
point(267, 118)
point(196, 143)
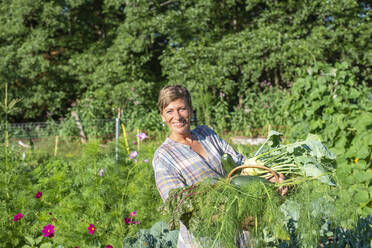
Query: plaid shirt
point(176, 165)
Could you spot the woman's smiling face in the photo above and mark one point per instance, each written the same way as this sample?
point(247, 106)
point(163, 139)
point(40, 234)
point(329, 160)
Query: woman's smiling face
point(177, 116)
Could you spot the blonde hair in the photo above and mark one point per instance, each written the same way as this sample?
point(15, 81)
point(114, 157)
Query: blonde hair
point(170, 93)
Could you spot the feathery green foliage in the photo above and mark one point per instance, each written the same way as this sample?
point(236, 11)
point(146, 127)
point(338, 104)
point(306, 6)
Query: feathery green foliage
point(76, 192)
point(216, 211)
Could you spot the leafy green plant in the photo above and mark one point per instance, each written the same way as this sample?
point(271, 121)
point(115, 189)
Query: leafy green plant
point(260, 108)
point(359, 236)
point(315, 208)
point(300, 161)
point(140, 192)
point(331, 95)
point(329, 102)
point(7, 108)
point(158, 236)
point(73, 193)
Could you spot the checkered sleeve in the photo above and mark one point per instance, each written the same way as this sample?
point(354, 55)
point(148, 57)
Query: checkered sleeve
point(166, 178)
point(224, 146)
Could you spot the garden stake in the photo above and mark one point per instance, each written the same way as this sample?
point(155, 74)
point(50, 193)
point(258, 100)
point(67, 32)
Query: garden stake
point(117, 139)
point(125, 138)
point(56, 146)
point(138, 141)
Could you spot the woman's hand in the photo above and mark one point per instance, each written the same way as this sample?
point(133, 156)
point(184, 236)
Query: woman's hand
point(282, 190)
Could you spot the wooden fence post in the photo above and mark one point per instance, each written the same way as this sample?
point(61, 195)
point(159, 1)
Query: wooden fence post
point(83, 138)
point(56, 146)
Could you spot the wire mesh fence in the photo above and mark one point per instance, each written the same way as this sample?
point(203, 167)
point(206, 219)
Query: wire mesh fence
point(97, 128)
point(56, 137)
point(66, 137)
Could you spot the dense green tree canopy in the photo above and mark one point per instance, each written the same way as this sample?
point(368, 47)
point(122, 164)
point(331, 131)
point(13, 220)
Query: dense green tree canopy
point(101, 55)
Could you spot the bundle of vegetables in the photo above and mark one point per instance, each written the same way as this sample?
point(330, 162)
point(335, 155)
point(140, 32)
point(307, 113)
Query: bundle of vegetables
point(217, 211)
point(299, 161)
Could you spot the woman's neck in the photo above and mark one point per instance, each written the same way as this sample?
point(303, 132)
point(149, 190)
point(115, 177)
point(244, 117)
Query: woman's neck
point(182, 138)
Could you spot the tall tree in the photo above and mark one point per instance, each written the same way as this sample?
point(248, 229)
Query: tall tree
point(108, 54)
point(39, 41)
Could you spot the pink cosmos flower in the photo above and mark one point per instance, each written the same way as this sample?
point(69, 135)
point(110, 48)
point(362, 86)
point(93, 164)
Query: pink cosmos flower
point(108, 246)
point(18, 217)
point(128, 221)
point(48, 231)
point(132, 155)
point(146, 160)
point(101, 172)
point(141, 136)
point(91, 229)
point(38, 195)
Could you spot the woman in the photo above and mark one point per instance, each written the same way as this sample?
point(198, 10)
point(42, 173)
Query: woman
point(187, 156)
